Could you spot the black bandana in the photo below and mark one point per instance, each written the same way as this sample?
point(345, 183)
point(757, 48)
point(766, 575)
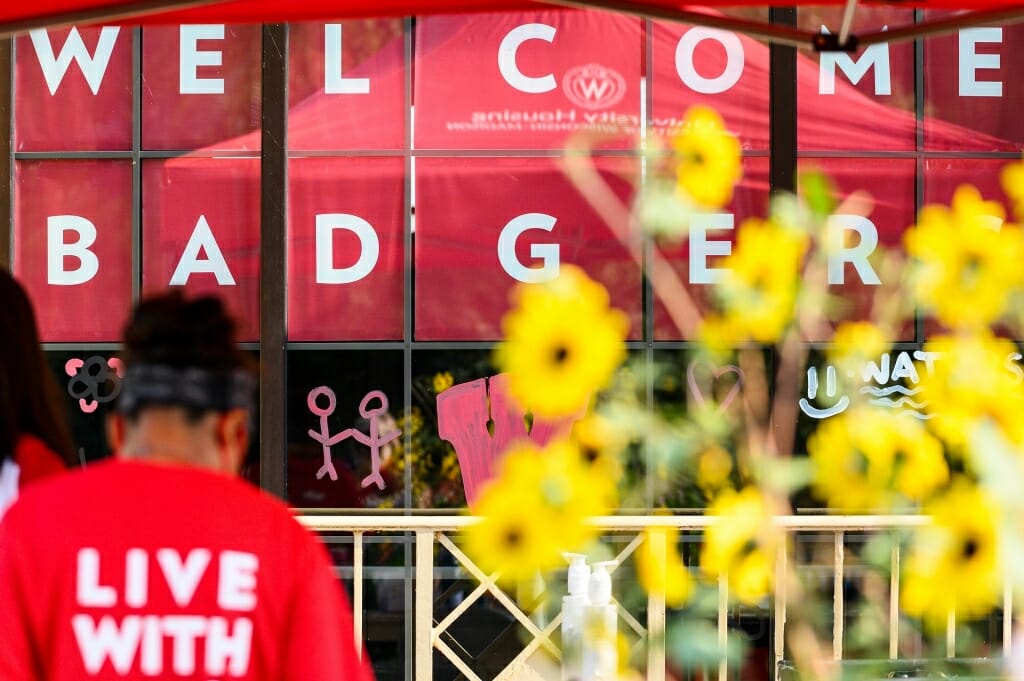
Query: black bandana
point(192, 387)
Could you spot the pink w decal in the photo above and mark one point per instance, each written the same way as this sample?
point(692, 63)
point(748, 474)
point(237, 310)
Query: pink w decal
point(462, 418)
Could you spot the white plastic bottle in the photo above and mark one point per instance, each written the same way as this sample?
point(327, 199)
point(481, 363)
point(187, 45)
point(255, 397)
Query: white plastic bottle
point(573, 606)
point(600, 631)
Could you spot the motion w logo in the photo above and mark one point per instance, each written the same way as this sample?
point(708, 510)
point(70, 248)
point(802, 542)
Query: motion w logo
point(594, 86)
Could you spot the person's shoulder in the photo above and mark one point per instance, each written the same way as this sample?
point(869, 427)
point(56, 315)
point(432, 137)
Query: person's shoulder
point(56, 490)
point(44, 501)
point(36, 461)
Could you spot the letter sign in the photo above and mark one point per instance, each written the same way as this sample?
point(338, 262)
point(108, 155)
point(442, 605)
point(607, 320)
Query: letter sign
point(507, 58)
point(546, 253)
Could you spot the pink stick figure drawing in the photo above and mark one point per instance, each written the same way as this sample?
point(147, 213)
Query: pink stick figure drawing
point(324, 437)
point(373, 440)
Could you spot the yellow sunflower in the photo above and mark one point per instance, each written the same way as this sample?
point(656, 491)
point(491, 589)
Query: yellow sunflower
point(954, 564)
point(757, 297)
point(513, 535)
point(868, 460)
point(970, 384)
point(1013, 184)
point(562, 343)
point(442, 381)
point(854, 344)
point(566, 482)
point(741, 544)
point(600, 445)
point(660, 569)
point(967, 265)
point(536, 509)
point(709, 158)
point(714, 466)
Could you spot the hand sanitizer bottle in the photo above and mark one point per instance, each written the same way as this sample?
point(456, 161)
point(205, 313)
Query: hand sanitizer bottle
point(600, 634)
point(573, 606)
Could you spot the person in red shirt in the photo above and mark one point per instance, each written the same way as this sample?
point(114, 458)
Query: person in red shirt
point(161, 563)
point(35, 441)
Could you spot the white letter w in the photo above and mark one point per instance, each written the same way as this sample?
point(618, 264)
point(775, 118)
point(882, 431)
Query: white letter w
point(93, 67)
point(107, 641)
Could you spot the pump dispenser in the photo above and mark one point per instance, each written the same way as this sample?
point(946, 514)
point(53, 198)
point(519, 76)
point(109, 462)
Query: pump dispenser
point(573, 606)
point(600, 619)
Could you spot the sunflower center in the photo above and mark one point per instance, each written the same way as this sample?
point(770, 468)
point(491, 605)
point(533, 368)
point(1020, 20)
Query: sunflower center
point(513, 537)
point(560, 354)
point(972, 269)
point(859, 463)
point(970, 548)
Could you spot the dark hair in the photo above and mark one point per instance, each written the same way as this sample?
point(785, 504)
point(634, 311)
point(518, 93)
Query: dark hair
point(171, 331)
point(30, 401)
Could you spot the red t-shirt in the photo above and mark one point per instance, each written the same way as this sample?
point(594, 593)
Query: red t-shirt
point(131, 570)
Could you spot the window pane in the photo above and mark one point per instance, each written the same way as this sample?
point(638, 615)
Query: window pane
point(201, 87)
point(481, 223)
point(862, 101)
point(73, 245)
point(200, 230)
point(89, 382)
point(73, 90)
point(526, 80)
point(696, 259)
point(854, 270)
point(721, 69)
point(942, 177)
point(685, 380)
point(344, 397)
point(346, 85)
point(346, 250)
point(453, 452)
point(971, 92)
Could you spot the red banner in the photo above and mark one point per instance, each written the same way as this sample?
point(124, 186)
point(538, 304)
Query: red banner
point(346, 249)
point(200, 86)
point(724, 70)
point(346, 85)
point(73, 245)
point(860, 101)
point(943, 175)
point(970, 82)
point(526, 80)
point(73, 90)
point(485, 224)
point(200, 230)
point(854, 276)
point(711, 236)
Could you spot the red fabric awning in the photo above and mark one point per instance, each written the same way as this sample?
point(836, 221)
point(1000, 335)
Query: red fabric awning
point(17, 17)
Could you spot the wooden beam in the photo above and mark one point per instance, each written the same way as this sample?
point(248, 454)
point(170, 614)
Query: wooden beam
point(273, 270)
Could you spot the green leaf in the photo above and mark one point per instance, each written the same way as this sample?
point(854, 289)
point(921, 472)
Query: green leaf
point(694, 643)
point(788, 475)
point(818, 191)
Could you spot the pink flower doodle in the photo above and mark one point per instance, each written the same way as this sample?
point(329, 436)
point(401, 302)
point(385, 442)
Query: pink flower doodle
point(90, 378)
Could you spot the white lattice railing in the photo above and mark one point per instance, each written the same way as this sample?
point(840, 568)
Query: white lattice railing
point(429, 530)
